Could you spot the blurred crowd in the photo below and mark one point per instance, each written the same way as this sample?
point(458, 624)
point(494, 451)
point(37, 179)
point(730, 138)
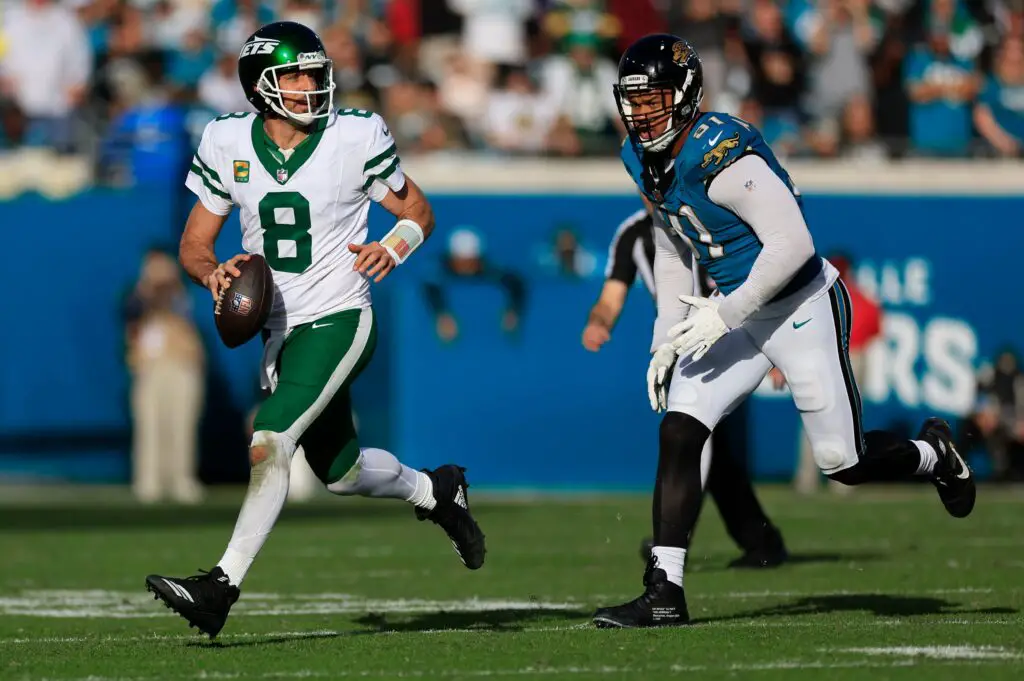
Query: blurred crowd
point(129, 84)
point(997, 422)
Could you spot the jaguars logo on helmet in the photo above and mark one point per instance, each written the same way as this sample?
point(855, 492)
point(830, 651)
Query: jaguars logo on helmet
point(659, 91)
point(680, 52)
point(285, 47)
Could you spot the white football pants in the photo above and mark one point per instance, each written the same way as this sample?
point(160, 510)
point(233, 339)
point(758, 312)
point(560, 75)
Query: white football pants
point(806, 336)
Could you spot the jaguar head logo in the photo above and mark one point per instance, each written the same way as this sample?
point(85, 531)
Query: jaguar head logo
point(680, 52)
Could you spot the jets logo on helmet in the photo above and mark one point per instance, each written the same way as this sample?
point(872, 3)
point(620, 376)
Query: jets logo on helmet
point(659, 90)
point(281, 48)
point(258, 47)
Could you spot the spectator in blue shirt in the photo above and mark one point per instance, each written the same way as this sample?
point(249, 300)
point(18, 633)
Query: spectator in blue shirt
point(999, 115)
point(941, 88)
point(148, 143)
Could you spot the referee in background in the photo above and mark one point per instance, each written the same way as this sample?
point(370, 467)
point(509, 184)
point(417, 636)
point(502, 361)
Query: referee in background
point(631, 254)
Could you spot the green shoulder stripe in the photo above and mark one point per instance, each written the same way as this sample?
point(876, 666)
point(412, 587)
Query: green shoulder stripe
point(376, 160)
point(385, 174)
point(213, 190)
point(209, 171)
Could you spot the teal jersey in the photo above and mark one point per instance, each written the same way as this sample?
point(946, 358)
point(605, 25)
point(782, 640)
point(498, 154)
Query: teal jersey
point(1006, 102)
point(724, 244)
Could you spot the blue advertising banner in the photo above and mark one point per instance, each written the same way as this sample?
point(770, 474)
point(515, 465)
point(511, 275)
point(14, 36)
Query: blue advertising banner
point(516, 398)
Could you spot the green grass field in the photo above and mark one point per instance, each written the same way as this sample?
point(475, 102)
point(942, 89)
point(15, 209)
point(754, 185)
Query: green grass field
point(883, 585)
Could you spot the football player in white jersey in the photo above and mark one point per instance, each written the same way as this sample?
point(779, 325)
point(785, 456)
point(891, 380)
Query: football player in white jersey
point(302, 175)
point(722, 196)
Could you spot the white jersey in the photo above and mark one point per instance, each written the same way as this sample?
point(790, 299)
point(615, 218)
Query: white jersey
point(301, 210)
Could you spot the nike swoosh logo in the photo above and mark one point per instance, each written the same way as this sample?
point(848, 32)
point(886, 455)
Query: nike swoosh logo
point(320, 326)
point(797, 325)
point(715, 140)
point(964, 472)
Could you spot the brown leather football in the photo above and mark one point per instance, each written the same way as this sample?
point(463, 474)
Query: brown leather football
point(244, 306)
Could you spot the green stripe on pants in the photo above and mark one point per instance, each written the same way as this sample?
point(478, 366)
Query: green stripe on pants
point(311, 404)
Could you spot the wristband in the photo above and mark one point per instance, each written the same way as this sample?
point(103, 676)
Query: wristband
point(404, 238)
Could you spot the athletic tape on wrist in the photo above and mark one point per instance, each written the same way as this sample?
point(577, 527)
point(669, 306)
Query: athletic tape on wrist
point(404, 238)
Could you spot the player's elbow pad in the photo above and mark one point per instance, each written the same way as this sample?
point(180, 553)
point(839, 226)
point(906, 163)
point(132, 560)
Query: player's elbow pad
point(404, 238)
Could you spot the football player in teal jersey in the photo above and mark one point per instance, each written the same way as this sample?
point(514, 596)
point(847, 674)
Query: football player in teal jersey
point(720, 193)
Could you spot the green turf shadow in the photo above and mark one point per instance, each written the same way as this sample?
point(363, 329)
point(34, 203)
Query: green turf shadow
point(501, 620)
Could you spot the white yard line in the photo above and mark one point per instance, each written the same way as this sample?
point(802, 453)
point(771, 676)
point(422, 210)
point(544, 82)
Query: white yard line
point(116, 605)
point(743, 595)
point(805, 624)
point(936, 652)
point(134, 605)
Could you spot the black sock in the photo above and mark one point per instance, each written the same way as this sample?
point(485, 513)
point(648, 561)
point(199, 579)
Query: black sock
point(886, 458)
point(678, 492)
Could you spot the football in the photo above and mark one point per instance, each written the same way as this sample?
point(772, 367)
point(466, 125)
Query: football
point(244, 306)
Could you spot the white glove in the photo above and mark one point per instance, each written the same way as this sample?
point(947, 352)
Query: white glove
point(699, 331)
point(658, 374)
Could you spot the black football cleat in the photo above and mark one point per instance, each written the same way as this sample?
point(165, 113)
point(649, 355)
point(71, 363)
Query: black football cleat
point(952, 476)
point(204, 600)
point(663, 604)
point(451, 513)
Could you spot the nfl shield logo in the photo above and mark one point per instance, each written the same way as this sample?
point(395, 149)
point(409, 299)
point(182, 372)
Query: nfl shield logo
point(658, 196)
point(241, 304)
point(282, 175)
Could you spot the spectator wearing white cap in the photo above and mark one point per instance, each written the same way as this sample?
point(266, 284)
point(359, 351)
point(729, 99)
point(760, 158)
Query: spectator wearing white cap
point(464, 263)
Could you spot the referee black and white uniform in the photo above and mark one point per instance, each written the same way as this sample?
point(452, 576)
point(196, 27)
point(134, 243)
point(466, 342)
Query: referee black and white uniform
point(631, 255)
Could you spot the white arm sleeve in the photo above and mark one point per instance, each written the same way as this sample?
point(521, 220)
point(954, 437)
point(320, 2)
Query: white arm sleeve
point(383, 169)
point(673, 277)
point(751, 190)
point(204, 176)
